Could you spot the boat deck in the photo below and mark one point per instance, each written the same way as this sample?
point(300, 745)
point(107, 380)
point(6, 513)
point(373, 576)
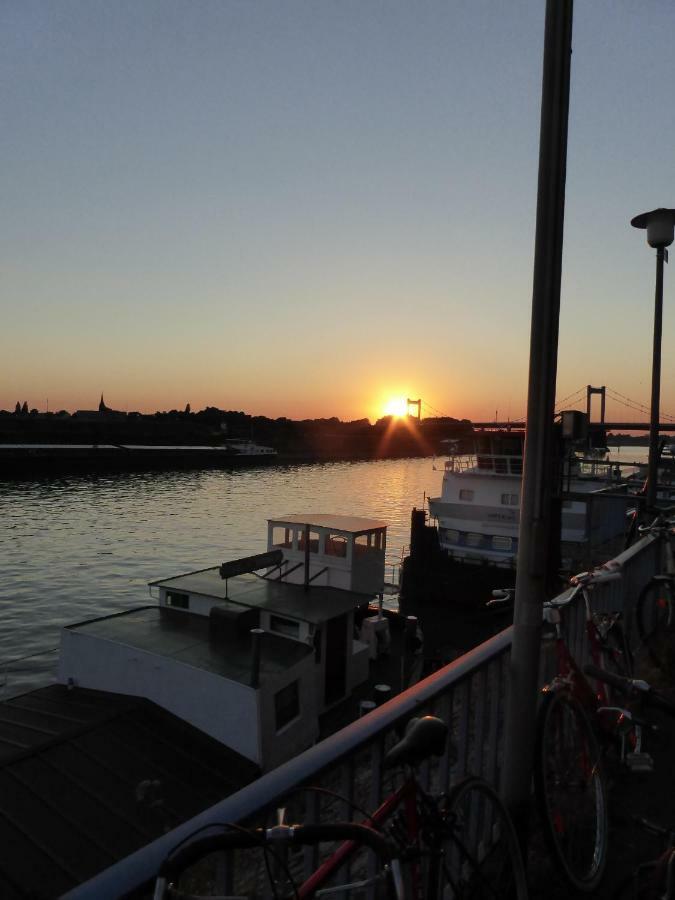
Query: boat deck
point(191, 639)
point(314, 605)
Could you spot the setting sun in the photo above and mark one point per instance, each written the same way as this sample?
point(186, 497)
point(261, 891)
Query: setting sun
point(396, 406)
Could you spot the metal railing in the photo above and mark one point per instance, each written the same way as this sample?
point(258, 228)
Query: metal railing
point(16, 677)
point(499, 464)
point(469, 693)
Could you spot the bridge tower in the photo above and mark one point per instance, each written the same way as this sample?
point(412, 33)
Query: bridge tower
point(415, 403)
point(589, 392)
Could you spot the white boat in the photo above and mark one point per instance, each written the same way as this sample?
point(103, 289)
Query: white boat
point(478, 511)
point(248, 448)
point(162, 710)
point(255, 651)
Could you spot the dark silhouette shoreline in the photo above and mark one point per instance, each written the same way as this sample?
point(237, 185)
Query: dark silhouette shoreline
point(109, 439)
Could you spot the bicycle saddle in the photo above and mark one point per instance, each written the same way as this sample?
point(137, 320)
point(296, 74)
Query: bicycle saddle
point(423, 738)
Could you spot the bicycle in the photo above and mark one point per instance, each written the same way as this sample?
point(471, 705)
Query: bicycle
point(461, 845)
point(568, 775)
point(274, 841)
point(653, 880)
point(655, 607)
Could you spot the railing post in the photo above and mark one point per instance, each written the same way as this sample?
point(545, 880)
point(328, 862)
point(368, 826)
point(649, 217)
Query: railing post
point(535, 517)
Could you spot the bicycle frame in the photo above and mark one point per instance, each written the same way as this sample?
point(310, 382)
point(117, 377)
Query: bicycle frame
point(405, 796)
point(569, 675)
point(568, 671)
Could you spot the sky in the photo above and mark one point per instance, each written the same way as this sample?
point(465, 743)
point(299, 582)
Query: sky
point(309, 208)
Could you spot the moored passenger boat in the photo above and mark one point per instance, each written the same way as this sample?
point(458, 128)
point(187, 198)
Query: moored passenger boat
point(470, 545)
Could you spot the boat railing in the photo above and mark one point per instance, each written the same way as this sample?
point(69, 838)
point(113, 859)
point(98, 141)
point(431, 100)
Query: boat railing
point(499, 464)
point(393, 564)
point(469, 693)
point(16, 677)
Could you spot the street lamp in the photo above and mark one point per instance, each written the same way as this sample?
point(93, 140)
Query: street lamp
point(660, 225)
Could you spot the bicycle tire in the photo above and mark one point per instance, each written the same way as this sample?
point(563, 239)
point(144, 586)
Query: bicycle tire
point(482, 859)
point(655, 621)
point(571, 790)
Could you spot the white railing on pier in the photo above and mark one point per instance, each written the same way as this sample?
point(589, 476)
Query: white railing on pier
point(469, 693)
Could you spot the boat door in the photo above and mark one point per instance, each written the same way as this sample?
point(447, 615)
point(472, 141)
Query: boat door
point(336, 659)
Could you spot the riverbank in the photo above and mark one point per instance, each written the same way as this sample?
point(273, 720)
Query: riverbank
point(294, 441)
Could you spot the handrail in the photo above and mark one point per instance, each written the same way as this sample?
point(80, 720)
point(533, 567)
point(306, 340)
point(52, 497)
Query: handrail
point(6, 669)
point(482, 463)
point(136, 870)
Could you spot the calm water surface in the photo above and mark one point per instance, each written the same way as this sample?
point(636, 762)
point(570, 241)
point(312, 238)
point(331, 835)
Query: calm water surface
point(77, 547)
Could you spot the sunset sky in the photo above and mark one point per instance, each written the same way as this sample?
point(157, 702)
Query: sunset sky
point(308, 208)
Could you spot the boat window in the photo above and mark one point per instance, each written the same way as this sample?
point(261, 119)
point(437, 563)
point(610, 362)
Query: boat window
point(474, 540)
point(289, 627)
point(450, 535)
point(336, 545)
point(178, 601)
point(510, 499)
point(512, 447)
point(286, 705)
point(313, 541)
point(501, 543)
point(282, 536)
point(465, 494)
point(367, 543)
point(567, 504)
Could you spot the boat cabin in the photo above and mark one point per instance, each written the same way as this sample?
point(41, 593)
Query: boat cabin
point(254, 651)
point(345, 552)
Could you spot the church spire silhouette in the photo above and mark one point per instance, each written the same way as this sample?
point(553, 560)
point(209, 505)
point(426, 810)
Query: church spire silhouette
point(102, 407)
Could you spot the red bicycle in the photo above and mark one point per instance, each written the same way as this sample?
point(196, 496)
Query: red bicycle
point(461, 844)
point(569, 780)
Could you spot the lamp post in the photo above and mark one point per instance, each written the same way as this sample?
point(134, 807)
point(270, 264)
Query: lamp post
point(660, 225)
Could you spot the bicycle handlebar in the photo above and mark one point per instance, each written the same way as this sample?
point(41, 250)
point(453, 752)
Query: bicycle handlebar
point(241, 839)
point(632, 685)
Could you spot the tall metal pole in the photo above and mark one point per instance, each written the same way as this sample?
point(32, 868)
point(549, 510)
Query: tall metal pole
point(653, 465)
point(535, 515)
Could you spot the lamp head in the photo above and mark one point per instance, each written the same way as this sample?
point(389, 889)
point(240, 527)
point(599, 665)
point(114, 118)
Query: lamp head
point(660, 225)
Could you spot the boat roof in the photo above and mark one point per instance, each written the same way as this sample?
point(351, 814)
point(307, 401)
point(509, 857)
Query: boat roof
point(190, 639)
point(315, 605)
point(88, 777)
point(351, 524)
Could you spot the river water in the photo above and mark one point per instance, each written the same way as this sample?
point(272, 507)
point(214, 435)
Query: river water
point(73, 548)
point(77, 547)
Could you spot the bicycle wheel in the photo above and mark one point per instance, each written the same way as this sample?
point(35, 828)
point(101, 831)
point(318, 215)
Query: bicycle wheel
point(482, 858)
point(571, 790)
point(655, 620)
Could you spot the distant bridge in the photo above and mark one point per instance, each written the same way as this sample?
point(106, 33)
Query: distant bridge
point(609, 426)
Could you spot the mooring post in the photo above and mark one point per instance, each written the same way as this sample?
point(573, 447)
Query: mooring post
point(537, 490)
